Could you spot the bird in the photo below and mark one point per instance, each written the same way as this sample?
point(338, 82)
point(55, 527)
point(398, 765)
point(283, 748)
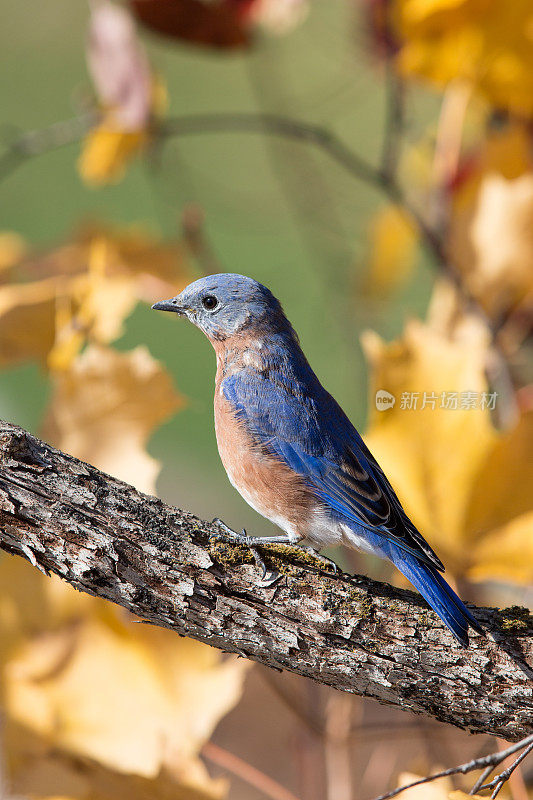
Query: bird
point(290, 450)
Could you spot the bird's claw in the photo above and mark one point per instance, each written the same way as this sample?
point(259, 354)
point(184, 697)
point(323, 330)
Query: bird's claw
point(324, 559)
point(230, 534)
point(269, 576)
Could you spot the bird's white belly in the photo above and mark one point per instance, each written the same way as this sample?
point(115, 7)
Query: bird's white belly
point(256, 502)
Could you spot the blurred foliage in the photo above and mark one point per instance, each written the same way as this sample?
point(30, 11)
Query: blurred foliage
point(95, 705)
point(485, 43)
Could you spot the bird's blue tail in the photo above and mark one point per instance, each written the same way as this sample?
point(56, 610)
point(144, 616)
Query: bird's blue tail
point(438, 594)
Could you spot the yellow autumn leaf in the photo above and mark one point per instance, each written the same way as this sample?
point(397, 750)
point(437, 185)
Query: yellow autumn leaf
point(104, 408)
point(505, 553)
point(27, 320)
point(37, 768)
point(12, 250)
point(159, 267)
point(484, 43)
point(154, 266)
point(491, 241)
point(410, 443)
point(31, 604)
point(85, 290)
point(460, 480)
point(129, 95)
point(107, 152)
point(166, 693)
point(51, 318)
point(391, 254)
point(131, 251)
point(97, 305)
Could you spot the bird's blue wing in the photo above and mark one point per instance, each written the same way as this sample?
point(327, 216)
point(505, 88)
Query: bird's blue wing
point(312, 435)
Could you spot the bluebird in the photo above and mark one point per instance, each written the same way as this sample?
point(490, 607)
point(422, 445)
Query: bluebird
point(289, 448)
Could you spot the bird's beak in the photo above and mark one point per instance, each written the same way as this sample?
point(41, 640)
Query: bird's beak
point(169, 305)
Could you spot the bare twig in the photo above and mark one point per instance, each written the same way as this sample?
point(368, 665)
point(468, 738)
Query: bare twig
point(491, 760)
point(246, 772)
point(62, 133)
point(498, 782)
point(337, 748)
point(392, 139)
point(192, 226)
point(39, 142)
point(481, 780)
point(43, 140)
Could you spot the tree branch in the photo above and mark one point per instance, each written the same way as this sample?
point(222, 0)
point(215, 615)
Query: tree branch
point(166, 566)
point(489, 762)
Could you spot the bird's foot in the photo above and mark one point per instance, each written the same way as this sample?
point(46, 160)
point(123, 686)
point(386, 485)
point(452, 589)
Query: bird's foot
point(328, 562)
point(231, 535)
point(269, 576)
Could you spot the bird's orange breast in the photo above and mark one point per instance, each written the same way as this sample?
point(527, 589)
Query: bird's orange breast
point(267, 484)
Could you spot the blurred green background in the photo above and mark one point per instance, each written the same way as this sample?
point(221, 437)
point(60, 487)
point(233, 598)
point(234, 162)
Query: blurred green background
point(281, 212)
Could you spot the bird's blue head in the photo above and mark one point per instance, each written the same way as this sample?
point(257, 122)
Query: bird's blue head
point(227, 304)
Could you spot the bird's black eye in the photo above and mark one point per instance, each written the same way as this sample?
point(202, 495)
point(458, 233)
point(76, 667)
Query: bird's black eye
point(210, 302)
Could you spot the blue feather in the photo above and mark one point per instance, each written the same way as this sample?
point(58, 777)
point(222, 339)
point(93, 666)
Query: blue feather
point(437, 592)
point(309, 432)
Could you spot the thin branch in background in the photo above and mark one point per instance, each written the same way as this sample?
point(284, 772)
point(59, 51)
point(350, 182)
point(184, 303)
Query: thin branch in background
point(481, 780)
point(44, 140)
point(492, 760)
point(307, 758)
point(498, 782)
point(246, 772)
point(193, 231)
point(380, 767)
point(337, 747)
point(394, 122)
point(60, 134)
point(304, 712)
point(344, 156)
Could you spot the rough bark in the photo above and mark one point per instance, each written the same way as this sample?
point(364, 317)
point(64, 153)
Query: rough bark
point(165, 565)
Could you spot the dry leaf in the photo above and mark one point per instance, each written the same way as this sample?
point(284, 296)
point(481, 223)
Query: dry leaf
point(486, 44)
point(414, 446)
point(156, 267)
point(134, 698)
point(220, 24)
point(97, 305)
point(27, 320)
point(129, 96)
point(12, 250)
point(392, 250)
point(460, 481)
point(107, 152)
point(119, 66)
point(49, 320)
point(105, 407)
point(85, 290)
point(130, 251)
point(39, 769)
point(491, 241)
